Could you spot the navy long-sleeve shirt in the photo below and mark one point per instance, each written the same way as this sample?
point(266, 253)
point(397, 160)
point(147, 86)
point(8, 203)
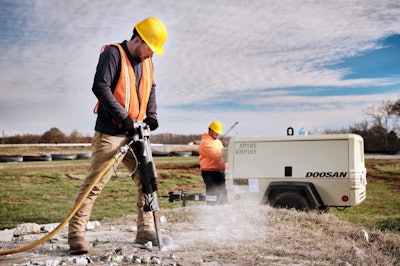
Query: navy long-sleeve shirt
point(105, 81)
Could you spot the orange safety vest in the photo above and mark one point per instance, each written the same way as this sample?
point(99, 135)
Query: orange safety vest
point(133, 100)
point(210, 154)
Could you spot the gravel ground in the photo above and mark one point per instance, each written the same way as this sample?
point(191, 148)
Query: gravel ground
point(111, 244)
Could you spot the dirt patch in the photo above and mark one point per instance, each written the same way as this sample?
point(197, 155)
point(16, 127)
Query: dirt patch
point(377, 173)
point(220, 235)
point(393, 183)
point(16, 201)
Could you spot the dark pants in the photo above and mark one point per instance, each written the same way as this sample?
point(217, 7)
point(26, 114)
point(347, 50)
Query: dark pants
point(215, 186)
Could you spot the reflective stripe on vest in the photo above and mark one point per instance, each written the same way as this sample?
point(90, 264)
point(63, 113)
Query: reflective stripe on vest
point(134, 101)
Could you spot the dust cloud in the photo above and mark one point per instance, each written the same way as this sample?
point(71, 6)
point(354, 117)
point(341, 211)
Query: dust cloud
point(222, 224)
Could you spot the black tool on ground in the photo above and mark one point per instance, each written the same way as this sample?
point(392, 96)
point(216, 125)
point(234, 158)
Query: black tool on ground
point(184, 197)
point(147, 169)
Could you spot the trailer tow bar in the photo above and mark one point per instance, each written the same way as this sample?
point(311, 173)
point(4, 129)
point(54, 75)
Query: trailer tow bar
point(185, 197)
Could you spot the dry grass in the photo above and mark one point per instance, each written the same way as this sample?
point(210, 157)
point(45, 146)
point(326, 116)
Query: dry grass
point(260, 235)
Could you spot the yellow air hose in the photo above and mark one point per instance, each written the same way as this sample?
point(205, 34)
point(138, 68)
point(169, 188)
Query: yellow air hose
point(69, 216)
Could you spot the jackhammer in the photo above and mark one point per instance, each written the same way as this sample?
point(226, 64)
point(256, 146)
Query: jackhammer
point(147, 169)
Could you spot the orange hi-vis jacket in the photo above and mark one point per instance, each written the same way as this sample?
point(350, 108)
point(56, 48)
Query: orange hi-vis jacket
point(133, 100)
point(210, 154)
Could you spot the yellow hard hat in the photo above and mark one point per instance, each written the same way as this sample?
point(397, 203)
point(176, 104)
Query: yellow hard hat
point(216, 126)
point(153, 32)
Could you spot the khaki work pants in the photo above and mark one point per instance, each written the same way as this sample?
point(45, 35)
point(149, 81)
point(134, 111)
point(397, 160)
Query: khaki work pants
point(104, 147)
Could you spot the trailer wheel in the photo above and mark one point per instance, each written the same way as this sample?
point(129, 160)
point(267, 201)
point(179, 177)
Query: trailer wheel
point(290, 200)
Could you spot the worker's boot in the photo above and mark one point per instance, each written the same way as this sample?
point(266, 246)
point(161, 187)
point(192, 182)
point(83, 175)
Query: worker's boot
point(145, 236)
point(78, 245)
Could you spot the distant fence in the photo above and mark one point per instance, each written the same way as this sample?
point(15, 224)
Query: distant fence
point(157, 150)
point(154, 146)
point(47, 145)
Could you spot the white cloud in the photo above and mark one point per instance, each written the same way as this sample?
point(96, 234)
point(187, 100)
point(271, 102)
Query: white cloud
point(214, 49)
point(269, 45)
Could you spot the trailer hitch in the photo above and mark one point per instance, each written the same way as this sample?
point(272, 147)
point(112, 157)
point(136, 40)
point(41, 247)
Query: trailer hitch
point(184, 197)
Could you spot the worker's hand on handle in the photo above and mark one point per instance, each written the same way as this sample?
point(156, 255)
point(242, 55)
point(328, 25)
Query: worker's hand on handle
point(127, 125)
point(151, 122)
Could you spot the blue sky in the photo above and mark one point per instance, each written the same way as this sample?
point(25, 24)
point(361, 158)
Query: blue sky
point(266, 64)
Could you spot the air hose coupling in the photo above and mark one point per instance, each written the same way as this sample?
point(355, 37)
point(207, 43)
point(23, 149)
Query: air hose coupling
point(123, 150)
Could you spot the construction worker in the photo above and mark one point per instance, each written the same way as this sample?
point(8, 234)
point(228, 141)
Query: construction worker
point(211, 165)
point(125, 89)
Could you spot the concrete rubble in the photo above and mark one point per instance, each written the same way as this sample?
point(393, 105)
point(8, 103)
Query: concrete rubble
point(110, 245)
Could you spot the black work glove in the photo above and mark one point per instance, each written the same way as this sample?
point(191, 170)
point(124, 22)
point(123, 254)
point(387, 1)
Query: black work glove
point(127, 125)
point(151, 122)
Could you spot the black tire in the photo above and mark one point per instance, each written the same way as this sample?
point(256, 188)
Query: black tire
point(10, 159)
point(290, 200)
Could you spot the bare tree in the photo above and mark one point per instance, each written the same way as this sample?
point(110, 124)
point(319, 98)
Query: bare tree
point(342, 130)
point(54, 135)
point(381, 117)
point(396, 108)
point(360, 128)
point(395, 112)
point(77, 137)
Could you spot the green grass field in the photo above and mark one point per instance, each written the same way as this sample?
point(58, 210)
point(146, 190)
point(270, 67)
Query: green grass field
point(44, 192)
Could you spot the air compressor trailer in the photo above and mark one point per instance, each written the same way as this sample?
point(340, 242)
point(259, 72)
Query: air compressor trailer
point(302, 172)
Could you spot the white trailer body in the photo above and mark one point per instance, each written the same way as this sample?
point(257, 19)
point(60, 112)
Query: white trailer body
point(325, 170)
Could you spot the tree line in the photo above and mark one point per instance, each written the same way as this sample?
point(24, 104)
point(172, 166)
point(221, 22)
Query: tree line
point(53, 135)
point(380, 129)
